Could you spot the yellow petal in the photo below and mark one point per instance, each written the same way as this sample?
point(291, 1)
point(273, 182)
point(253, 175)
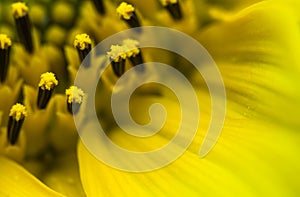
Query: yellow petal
point(257, 53)
point(30, 66)
point(15, 152)
point(240, 164)
point(64, 177)
point(110, 21)
point(250, 159)
point(37, 123)
point(232, 4)
point(15, 181)
point(62, 135)
point(10, 95)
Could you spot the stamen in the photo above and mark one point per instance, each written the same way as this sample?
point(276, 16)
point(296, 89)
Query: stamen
point(99, 6)
point(173, 7)
point(5, 46)
point(46, 87)
point(83, 44)
point(20, 13)
point(127, 13)
point(134, 53)
point(74, 99)
point(117, 55)
point(16, 118)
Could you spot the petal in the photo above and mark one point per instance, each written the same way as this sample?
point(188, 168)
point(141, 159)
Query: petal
point(54, 56)
point(94, 26)
point(257, 53)
point(31, 67)
point(11, 96)
point(37, 123)
point(231, 4)
point(63, 177)
point(16, 181)
point(62, 135)
point(15, 152)
point(242, 164)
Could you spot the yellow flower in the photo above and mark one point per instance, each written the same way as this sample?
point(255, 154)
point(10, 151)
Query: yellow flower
point(255, 46)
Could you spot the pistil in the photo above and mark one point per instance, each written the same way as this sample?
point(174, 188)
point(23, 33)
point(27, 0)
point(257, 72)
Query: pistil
point(118, 56)
point(127, 13)
point(46, 86)
point(75, 98)
point(83, 44)
point(134, 53)
point(16, 118)
point(5, 46)
point(23, 25)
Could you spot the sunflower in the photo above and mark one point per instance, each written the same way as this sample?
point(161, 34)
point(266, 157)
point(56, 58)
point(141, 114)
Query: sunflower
point(44, 45)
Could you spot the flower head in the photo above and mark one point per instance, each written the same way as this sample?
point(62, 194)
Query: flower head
point(255, 45)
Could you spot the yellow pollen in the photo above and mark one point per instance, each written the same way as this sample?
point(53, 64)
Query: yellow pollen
point(18, 111)
point(168, 2)
point(125, 10)
point(75, 95)
point(5, 42)
point(19, 9)
point(117, 53)
point(48, 81)
point(82, 41)
point(132, 47)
